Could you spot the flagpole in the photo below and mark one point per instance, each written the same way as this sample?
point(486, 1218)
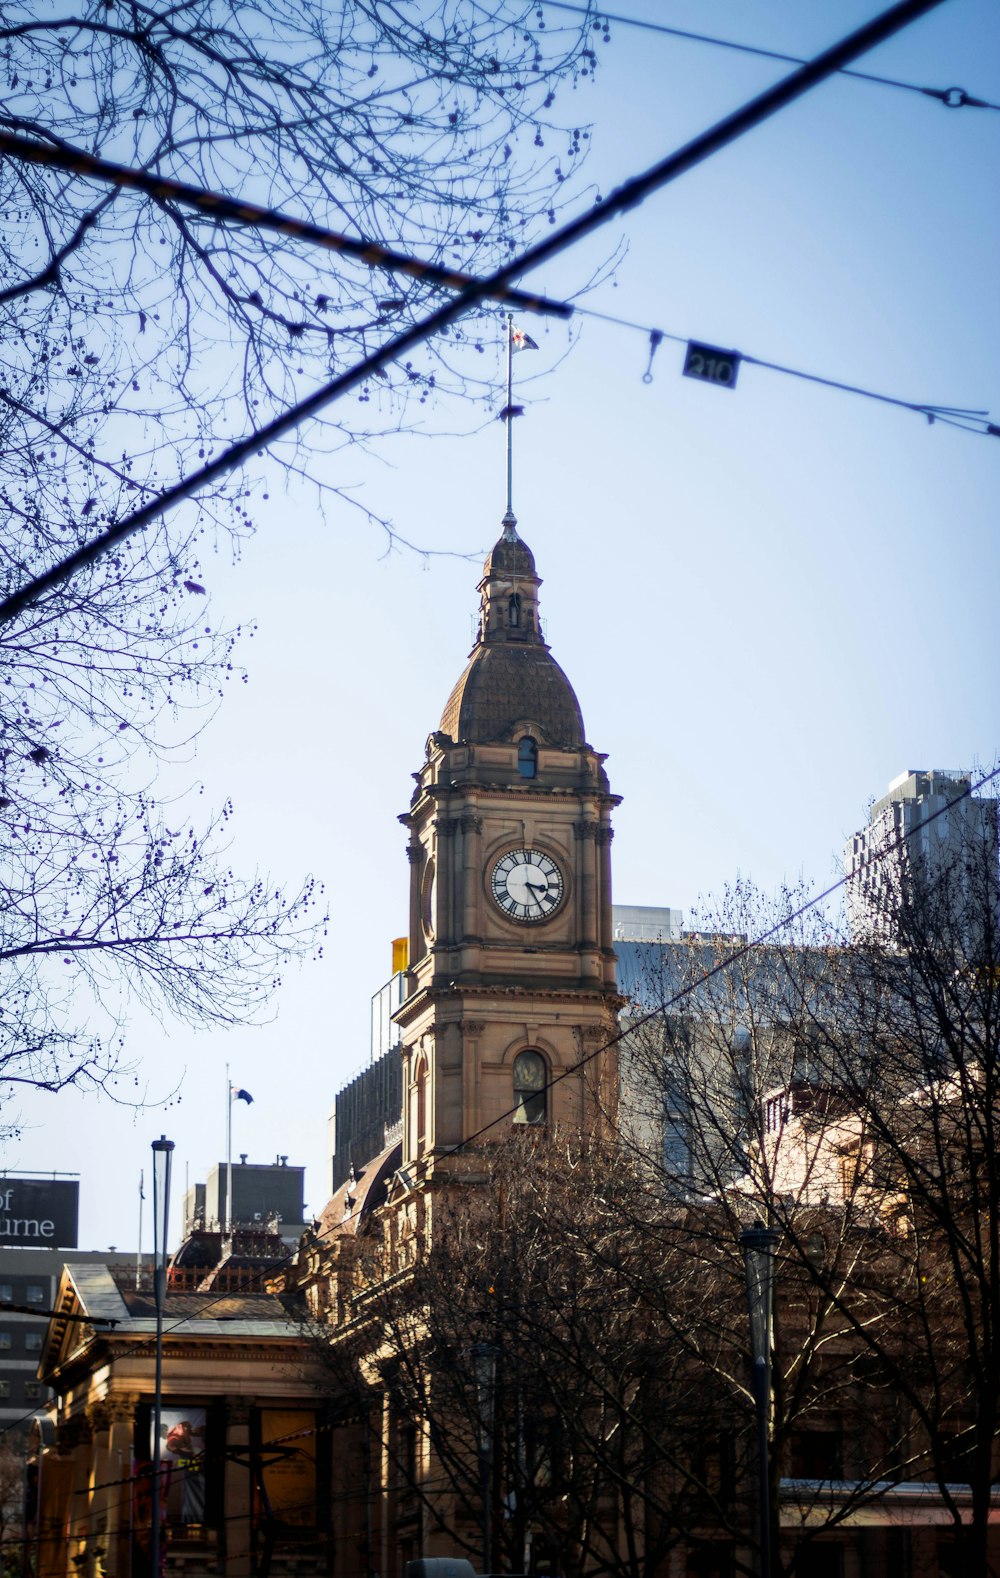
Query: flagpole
point(138, 1253)
point(510, 520)
point(229, 1156)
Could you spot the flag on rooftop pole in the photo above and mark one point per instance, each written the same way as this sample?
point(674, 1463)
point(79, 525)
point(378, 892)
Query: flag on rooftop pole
point(521, 341)
point(236, 1093)
point(517, 340)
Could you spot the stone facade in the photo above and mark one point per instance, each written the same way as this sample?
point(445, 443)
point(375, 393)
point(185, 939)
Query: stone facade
point(508, 774)
point(240, 1386)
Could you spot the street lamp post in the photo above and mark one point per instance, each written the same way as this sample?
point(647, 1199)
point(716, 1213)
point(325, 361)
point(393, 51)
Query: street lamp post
point(162, 1152)
point(757, 1243)
point(484, 1363)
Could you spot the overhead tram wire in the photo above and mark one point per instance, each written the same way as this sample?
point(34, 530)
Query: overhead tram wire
point(75, 161)
point(620, 201)
point(969, 419)
point(374, 255)
point(951, 98)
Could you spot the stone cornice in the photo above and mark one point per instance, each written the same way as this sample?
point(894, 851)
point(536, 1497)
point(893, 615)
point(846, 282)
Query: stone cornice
point(240, 1350)
point(484, 789)
point(598, 996)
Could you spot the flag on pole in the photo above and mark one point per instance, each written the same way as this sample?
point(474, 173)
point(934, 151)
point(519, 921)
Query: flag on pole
point(240, 1095)
point(521, 341)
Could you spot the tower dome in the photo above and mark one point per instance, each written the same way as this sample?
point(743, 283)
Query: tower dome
point(511, 679)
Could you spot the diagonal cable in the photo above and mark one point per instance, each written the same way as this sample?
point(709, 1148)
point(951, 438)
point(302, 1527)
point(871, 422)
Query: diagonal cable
point(620, 201)
point(970, 419)
point(951, 98)
point(77, 162)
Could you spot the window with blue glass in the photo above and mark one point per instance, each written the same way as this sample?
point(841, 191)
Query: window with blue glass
point(527, 757)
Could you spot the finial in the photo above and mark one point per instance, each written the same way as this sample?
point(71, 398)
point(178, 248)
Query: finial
point(509, 524)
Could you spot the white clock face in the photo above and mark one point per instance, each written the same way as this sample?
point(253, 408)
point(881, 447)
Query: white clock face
point(527, 885)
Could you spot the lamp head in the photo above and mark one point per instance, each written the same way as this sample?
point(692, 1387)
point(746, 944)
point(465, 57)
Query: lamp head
point(757, 1243)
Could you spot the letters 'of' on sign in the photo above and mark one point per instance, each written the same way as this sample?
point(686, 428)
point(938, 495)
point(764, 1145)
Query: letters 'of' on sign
point(711, 364)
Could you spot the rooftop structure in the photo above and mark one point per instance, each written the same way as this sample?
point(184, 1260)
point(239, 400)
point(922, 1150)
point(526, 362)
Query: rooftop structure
point(930, 841)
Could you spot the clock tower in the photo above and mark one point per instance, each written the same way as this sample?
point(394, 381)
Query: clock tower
point(511, 1001)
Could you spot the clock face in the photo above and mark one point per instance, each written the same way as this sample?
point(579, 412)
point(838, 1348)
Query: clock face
point(527, 885)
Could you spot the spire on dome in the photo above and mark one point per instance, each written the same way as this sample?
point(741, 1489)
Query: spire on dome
point(512, 681)
point(508, 593)
point(511, 675)
point(517, 340)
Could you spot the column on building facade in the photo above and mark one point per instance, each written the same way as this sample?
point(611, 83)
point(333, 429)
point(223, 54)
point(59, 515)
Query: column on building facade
point(237, 1527)
point(386, 1479)
point(121, 1411)
point(409, 1115)
point(444, 921)
point(75, 1436)
point(102, 1492)
point(605, 833)
point(585, 832)
point(368, 1514)
point(473, 1085)
point(472, 827)
point(415, 856)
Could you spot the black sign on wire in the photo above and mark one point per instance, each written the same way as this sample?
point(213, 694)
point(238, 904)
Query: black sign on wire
point(711, 364)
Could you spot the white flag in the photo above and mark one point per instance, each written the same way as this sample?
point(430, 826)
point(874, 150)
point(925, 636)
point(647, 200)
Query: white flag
point(521, 341)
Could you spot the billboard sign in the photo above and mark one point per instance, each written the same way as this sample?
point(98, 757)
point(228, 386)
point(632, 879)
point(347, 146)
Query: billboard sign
point(182, 1445)
point(39, 1213)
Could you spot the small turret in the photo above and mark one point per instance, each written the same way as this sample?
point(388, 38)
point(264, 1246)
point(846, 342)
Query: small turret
point(511, 675)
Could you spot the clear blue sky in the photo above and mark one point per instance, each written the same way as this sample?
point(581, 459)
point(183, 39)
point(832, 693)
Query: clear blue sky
point(770, 601)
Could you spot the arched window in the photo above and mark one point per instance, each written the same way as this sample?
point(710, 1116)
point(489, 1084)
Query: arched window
point(527, 757)
point(530, 1080)
point(514, 610)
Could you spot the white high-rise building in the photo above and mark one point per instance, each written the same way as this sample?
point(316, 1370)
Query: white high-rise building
point(930, 840)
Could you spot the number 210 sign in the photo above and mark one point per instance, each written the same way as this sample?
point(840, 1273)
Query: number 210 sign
point(711, 364)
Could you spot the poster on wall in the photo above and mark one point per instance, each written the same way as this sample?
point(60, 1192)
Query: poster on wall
point(182, 1446)
point(288, 1463)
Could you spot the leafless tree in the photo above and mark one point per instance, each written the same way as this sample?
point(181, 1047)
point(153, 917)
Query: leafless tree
point(917, 1063)
point(12, 1496)
point(610, 1447)
point(137, 336)
point(844, 1091)
point(135, 339)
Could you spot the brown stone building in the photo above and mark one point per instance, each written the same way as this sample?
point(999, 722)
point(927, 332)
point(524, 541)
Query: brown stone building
point(244, 1444)
point(512, 966)
point(496, 1361)
point(508, 1024)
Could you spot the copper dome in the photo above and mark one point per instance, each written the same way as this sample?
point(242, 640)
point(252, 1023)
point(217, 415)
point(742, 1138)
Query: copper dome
point(504, 685)
point(511, 677)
